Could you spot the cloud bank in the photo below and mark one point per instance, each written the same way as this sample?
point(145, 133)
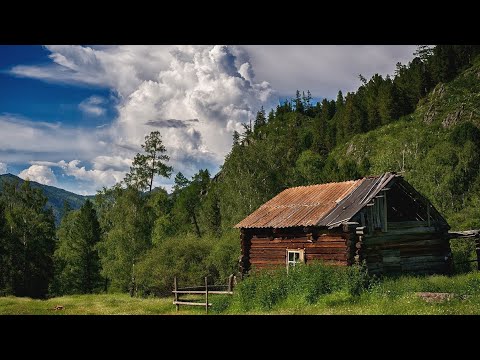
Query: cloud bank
point(39, 173)
point(196, 96)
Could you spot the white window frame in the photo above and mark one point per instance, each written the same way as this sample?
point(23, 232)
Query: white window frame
point(301, 257)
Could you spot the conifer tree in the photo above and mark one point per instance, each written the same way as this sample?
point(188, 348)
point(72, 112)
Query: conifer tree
point(146, 166)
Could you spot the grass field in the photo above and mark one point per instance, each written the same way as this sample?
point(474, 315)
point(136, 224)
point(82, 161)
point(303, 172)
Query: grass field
point(392, 296)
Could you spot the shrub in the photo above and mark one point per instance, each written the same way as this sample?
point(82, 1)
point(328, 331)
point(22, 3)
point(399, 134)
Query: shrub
point(463, 250)
point(180, 257)
point(223, 257)
point(190, 259)
point(357, 279)
point(264, 289)
point(220, 303)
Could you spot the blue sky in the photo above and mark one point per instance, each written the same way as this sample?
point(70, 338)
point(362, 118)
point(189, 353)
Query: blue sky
point(74, 116)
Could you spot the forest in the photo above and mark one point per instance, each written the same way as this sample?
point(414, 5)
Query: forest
point(422, 122)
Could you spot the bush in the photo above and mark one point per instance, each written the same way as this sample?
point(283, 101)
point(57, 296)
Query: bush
point(180, 257)
point(220, 303)
point(463, 250)
point(357, 279)
point(190, 259)
point(246, 292)
point(223, 258)
point(264, 289)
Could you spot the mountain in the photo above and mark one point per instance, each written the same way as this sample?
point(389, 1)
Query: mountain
point(55, 196)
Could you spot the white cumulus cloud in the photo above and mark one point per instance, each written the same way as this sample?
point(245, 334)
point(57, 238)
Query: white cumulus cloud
point(202, 83)
point(3, 168)
point(94, 105)
point(39, 173)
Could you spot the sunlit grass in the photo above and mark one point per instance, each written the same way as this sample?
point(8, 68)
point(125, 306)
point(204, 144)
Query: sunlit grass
point(390, 296)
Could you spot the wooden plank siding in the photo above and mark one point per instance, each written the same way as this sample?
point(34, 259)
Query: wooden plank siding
point(269, 249)
point(407, 247)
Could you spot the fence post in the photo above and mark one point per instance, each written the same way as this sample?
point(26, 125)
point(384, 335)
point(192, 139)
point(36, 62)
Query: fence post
point(230, 283)
point(176, 294)
point(477, 250)
point(206, 295)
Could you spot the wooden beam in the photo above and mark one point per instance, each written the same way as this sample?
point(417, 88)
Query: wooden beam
point(477, 250)
point(176, 294)
point(206, 294)
point(385, 228)
point(428, 214)
point(192, 303)
point(464, 234)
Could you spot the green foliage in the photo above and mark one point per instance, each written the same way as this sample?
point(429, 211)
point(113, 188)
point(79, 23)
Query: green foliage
point(267, 288)
point(161, 204)
point(188, 200)
point(463, 252)
point(77, 264)
point(127, 220)
point(27, 241)
point(223, 258)
point(188, 258)
point(309, 166)
point(184, 258)
point(358, 279)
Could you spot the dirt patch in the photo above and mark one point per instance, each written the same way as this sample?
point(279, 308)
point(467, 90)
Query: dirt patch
point(435, 296)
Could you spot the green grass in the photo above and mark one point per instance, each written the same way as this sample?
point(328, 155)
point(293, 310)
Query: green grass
point(96, 304)
point(390, 296)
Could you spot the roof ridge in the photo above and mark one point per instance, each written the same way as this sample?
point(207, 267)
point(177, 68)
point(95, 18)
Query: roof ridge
point(333, 182)
point(345, 181)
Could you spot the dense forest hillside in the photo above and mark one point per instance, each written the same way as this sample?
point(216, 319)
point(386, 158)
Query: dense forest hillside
point(56, 197)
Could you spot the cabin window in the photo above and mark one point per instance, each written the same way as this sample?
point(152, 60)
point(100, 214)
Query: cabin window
point(294, 257)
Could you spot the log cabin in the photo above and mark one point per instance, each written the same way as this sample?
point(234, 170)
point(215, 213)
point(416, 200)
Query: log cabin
point(381, 221)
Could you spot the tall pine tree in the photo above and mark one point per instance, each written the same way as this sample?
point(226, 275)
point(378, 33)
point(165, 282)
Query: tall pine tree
point(28, 240)
point(146, 166)
point(76, 258)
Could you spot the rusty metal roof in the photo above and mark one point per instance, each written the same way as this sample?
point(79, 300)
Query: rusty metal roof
point(317, 205)
point(299, 206)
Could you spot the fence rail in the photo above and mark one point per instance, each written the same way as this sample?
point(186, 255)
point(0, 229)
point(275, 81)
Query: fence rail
point(200, 290)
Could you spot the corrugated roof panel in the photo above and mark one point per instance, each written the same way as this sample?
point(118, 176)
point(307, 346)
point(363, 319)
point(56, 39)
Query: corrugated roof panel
point(299, 206)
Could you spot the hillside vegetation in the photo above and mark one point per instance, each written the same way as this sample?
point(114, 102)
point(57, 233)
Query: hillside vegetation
point(422, 122)
point(56, 197)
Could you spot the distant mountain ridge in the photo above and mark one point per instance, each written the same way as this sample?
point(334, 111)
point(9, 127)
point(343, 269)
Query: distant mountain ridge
point(55, 196)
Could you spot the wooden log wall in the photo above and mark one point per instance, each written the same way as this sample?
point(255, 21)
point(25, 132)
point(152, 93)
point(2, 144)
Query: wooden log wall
point(407, 248)
point(269, 248)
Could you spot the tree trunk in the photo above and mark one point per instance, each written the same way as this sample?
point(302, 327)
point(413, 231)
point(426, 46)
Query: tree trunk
point(197, 229)
point(153, 171)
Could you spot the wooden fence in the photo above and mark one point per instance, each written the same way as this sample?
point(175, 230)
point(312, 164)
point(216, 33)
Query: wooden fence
point(201, 290)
